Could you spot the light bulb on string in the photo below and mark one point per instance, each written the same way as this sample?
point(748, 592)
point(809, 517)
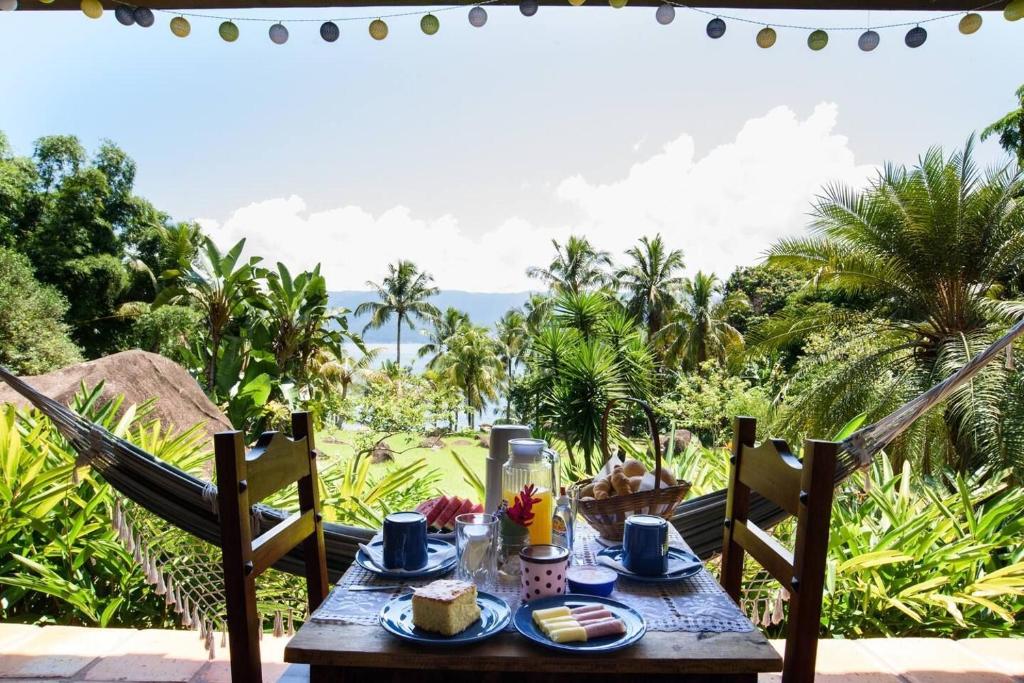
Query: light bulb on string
point(528, 7)
point(817, 40)
point(378, 29)
point(8, 5)
point(915, 37)
point(478, 16)
point(618, 4)
point(92, 9)
point(970, 23)
point(125, 15)
point(665, 14)
point(868, 40)
point(1014, 11)
point(429, 24)
point(144, 17)
point(576, 3)
point(716, 28)
point(766, 37)
point(180, 27)
point(228, 31)
point(329, 31)
point(278, 34)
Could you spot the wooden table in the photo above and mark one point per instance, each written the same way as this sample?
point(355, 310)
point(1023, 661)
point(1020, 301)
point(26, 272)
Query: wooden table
point(351, 652)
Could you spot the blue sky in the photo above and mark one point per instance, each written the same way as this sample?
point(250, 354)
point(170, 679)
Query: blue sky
point(468, 150)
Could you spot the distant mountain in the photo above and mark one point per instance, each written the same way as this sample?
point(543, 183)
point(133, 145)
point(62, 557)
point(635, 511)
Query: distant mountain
point(484, 308)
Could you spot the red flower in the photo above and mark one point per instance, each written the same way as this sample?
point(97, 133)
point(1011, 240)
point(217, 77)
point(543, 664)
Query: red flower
point(521, 511)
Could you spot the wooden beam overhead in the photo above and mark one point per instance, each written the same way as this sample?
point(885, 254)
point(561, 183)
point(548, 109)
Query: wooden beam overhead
point(199, 5)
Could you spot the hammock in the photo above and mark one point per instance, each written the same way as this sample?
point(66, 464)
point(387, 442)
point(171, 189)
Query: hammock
point(190, 504)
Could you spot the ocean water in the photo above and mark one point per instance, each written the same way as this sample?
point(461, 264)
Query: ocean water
point(388, 352)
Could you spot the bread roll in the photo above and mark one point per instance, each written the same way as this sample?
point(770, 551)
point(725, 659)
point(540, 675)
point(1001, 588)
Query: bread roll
point(587, 491)
point(667, 477)
point(620, 482)
point(602, 489)
point(633, 468)
point(634, 483)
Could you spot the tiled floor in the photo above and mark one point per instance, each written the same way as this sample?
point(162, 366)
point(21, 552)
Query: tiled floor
point(67, 653)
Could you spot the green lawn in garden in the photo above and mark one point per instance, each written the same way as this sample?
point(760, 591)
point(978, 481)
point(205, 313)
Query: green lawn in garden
point(407, 448)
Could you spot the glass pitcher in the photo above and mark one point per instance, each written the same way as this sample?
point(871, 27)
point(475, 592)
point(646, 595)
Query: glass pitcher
point(530, 461)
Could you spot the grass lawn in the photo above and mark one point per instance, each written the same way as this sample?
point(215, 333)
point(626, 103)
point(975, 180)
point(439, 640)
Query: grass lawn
point(408, 448)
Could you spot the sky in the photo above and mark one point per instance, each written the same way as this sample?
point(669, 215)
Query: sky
point(470, 150)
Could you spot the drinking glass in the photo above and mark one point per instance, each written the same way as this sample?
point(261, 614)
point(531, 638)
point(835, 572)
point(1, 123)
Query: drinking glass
point(476, 542)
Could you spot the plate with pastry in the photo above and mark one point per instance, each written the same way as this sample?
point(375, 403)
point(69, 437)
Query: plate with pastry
point(445, 612)
point(580, 623)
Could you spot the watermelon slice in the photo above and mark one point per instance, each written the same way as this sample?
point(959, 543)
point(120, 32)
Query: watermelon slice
point(426, 507)
point(477, 508)
point(446, 520)
point(440, 504)
point(467, 506)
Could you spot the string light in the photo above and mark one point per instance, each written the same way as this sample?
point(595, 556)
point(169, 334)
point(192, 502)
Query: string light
point(868, 40)
point(228, 31)
point(528, 7)
point(716, 28)
point(278, 34)
point(144, 17)
point(124, 15)
point(576, 3)
point(970, 23)
point(618, 4)
point(378, 29)
point(665, 14)
point(817, 40)
point(916, 37)
point(329, 31)
point(92, 9)
point(478, 16)
point(766, 37)
point(1014, 11)
point(180, 27)
point(429, 24)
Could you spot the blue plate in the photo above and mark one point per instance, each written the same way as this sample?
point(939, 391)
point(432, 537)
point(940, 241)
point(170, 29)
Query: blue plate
point(635, 624)
point(433, 567)
point(396, 618)
point(691, 565)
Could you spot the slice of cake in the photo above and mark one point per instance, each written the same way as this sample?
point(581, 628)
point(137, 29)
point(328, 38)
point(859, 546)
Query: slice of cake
point(447, 607)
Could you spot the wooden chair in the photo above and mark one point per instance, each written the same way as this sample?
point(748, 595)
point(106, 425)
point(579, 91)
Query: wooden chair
point(804, 490)
point(243, 479)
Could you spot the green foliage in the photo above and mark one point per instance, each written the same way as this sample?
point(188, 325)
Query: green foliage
point(472, 364)
point(698, 330)
point(706, 403)
point(393, 402)
point(404, 295)
point(577, 267)
point(169, 331)
point(909, 558)
point(33, 339)
point(1010, 129)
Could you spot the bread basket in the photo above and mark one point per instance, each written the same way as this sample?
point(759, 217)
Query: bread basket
point(608, 515)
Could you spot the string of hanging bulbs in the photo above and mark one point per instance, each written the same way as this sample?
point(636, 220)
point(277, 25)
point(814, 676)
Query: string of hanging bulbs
point(817, 38)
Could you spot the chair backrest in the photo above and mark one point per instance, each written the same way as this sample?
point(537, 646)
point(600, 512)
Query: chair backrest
point(245, 478)
point(803, 489)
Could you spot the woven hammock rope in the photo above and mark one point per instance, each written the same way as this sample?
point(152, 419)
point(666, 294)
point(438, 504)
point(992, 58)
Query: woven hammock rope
point(158, 494)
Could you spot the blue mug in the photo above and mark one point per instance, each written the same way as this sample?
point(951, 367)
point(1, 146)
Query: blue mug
point(405, 540)
point(645, 545)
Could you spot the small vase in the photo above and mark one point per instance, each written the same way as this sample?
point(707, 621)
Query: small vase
point(508, 555)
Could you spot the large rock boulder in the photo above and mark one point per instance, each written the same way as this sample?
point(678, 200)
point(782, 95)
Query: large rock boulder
point(138, 376)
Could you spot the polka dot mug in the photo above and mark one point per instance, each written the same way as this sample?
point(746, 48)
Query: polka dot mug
point(543, 571)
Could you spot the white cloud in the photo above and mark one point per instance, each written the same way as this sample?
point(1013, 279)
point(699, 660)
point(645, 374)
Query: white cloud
point(723, 209)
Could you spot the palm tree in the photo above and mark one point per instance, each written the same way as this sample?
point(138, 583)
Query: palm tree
point(512, 335)
point(537, 310)
point(444, 326)
point(650, 281)
point(698, 329)
point(1010, 129)
point(472, 364)
point(343, 371)
point(219, 286)
point(403, 294)
point(577, 266)
point(931, 247)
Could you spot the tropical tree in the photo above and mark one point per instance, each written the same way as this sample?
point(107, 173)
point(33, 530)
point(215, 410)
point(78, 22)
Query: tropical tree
point(698, 329)
point(512, 336)
point(404, 295)
point(220, 285)
point(442, 328)
point(300, 322)
point(1010, 129)
point(536, 310)
point(577, 266)
point(931, 245)
point(472, 364)
point(650, 281)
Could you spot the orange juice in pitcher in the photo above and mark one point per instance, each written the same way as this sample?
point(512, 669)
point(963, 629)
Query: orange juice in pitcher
point(530, 462)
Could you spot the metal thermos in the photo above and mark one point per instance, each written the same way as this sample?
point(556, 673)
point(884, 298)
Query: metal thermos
point(496, 457)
